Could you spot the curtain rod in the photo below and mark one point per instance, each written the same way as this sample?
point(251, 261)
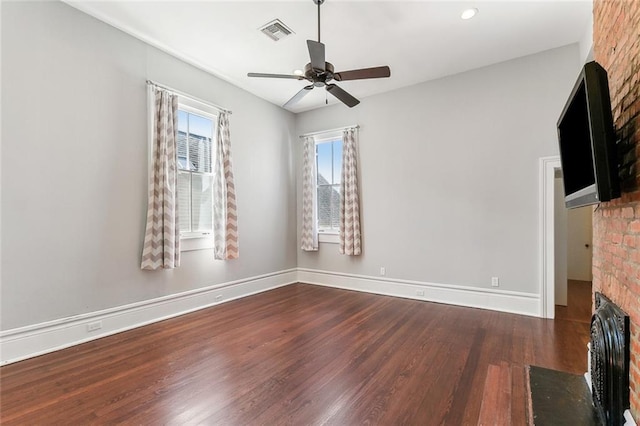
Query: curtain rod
point(355, 126)
point(186, 95)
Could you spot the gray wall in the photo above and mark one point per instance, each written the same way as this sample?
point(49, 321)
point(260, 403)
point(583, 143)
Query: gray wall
point(579, 234)
point(450, 173)
point(74, 169)
point(560, 242)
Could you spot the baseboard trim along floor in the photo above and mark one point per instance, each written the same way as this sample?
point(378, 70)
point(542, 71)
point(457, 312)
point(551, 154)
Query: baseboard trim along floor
point(38, 339)
point(33, 340)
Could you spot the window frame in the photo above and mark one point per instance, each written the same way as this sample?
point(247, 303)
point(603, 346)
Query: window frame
point(326, 235)
point(185, 105)
point(199, 240)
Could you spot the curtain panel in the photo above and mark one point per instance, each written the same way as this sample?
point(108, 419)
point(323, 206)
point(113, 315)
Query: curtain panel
point(161, 249)
point(350, 239)
point(225, 216)
point(309, 236)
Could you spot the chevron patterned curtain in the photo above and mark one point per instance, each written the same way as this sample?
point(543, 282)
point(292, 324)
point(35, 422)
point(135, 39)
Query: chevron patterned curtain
point(162, 237)
point(309, 237)
point(350, 243)
point(225, 216)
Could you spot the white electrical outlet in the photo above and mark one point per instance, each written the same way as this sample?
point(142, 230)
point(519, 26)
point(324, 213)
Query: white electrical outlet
point(420, 293)
point(383, 271)
point(219, 298)
point(93, 326)
point(495, 282)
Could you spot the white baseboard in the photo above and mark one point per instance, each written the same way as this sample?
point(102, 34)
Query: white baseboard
point(496, 300)
point(33, 340)
point(38, 339)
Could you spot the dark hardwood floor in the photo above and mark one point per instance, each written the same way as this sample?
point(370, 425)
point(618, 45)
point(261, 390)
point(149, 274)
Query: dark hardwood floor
point(579, 301)
point(299, 355)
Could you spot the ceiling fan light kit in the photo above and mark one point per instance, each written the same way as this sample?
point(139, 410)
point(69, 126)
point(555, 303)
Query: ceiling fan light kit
point(469, 13)
point(320, 73)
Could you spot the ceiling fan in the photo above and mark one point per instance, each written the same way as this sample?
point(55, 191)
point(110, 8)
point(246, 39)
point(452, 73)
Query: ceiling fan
point(320, 73)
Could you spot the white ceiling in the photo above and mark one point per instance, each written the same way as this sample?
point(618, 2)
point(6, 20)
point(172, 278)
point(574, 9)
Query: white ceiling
point(419, 40)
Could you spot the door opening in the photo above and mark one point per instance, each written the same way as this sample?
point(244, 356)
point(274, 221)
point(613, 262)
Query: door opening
point(565, 243)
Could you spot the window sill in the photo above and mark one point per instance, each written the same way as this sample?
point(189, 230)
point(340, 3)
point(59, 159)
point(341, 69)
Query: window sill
point(330, 238)
point(193, 244)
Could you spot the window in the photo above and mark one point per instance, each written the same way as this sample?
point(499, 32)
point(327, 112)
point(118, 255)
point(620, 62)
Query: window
point(329, 170)
point(196, 130)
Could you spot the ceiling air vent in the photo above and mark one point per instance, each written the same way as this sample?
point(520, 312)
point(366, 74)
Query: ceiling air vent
point(276, 30)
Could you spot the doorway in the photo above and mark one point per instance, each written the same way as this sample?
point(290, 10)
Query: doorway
point(573, 235)
point(550, 244)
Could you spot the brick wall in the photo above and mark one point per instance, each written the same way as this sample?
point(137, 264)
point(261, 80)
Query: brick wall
point(616, 237)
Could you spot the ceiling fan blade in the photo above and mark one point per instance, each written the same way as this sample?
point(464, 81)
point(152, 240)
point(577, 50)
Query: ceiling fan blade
point(316, 53)
point(375, 72)
point(342, 95)
point(259, 74)
point(301, 94)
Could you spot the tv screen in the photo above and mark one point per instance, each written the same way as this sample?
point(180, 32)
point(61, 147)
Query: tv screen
point(587, 141)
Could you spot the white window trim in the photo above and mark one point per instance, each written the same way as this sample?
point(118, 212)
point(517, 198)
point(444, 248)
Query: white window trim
point(203, 242)
point(197, 108)
point(328, 236)
point(191, 241)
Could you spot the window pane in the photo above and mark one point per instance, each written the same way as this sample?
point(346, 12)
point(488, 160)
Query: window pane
point(199, 153)
point(335, 207)
point(182, 141)
point(200, 126)
point(182, 122)
point(202, 203)
point(195, 191)
point(324, 206)
point(323, 151)
point(184, 201)
point(337, 161)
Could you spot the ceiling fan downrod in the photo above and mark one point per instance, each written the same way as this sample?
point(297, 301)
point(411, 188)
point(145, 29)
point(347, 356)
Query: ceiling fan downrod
point(319, 3)
point(320, 73)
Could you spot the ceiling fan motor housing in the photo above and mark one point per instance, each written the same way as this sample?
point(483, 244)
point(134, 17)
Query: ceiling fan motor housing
point(319, 77)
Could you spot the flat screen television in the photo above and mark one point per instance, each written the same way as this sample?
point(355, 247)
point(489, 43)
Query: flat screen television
point(587, 141)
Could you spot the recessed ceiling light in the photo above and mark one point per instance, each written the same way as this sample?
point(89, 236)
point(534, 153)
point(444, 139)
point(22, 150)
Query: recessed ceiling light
point(298, 72)
point(469, 13)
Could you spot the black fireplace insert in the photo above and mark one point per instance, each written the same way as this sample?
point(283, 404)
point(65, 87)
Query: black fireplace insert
point(610, 361)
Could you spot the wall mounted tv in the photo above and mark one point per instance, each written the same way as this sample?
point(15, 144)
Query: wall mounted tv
point(587, 141)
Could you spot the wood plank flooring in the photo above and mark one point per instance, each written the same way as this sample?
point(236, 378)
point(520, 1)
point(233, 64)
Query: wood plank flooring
point(299, 355)
point(579, 302)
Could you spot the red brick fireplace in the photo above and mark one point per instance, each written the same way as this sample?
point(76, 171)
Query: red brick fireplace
point(616, 238)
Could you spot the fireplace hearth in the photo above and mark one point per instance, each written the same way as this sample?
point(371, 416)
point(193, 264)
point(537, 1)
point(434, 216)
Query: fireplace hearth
point(610, 361)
